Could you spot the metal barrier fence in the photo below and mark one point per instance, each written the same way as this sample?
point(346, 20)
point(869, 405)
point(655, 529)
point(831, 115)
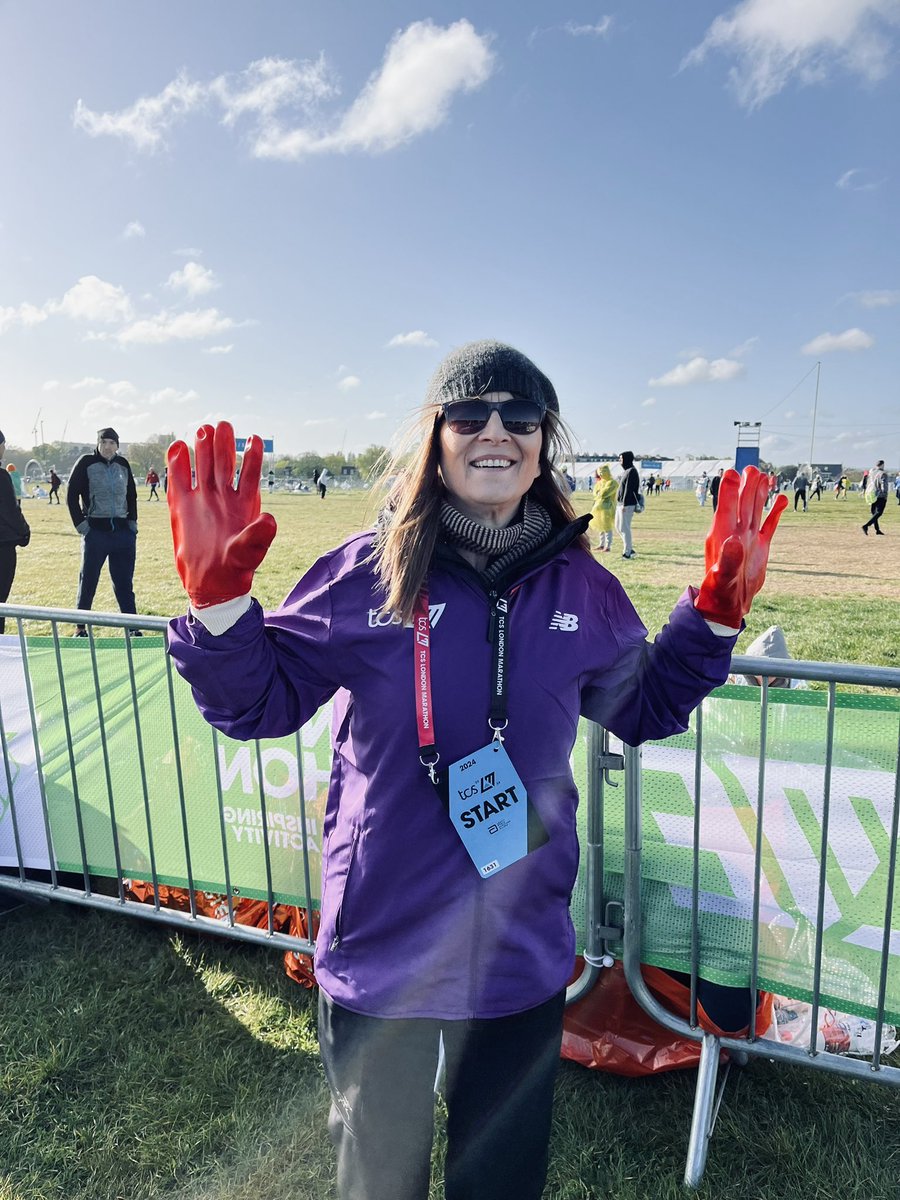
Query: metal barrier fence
point(607, 921)
point(706, 1100)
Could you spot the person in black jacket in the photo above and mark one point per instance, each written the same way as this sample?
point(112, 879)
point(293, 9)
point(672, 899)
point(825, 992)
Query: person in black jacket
point(626, 499)
point(14, 532)
point(102, 500)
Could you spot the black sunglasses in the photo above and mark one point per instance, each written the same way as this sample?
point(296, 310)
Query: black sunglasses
point(519, 415)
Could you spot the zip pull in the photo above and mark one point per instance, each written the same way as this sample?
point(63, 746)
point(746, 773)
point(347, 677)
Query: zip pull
point(492, 618)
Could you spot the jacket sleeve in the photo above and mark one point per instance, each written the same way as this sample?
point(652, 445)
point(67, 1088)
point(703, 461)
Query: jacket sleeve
point(652, 688)
point(76, 492)
point(269, 673)
point(13, 526)
point(131, 495)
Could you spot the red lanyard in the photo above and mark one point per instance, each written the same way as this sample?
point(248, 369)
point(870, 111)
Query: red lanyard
point(428, 751)
point(428, 755)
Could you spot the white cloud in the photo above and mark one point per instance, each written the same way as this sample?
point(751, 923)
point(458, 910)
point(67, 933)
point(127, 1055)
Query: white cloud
point(876, 299)
point(425, 66)
point(320, 421)
point(89, 381)
point(134, 229)
point(104, 406)
point(25, 315)
point(600, 29)
point(649, 402)
point(122, 387)
point(219, 349)
point(775, 41)
point(93, 299)
point(743, 348)
point(193, 278)
point(349, 382)
point(149, 119)
point(418, 337)
point(857, 179)
point(49, 385)
point(699, 370)
point(170, 395)
point(188, 252)
point(171, 327)
point(375, 416)
point(270, 84)
point(850, 339)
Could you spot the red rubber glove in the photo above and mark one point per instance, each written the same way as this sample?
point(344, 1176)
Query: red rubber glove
point(220, 538)
point(737, 550)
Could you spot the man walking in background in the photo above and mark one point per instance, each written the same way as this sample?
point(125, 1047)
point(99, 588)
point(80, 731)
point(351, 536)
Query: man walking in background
point(714, 487)
point(102, 500)
point(55, 481)
point(876, 495)
point(153, 480)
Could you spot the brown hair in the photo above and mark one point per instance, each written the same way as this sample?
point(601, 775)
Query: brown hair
point(415, 492)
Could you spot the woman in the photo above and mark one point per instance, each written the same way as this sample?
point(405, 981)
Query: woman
point(462, 640)
point(604, 510)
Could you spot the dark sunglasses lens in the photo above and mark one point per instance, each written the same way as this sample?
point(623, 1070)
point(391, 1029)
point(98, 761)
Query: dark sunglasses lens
point(521, 416)
point(467, 416)
point(471, 416)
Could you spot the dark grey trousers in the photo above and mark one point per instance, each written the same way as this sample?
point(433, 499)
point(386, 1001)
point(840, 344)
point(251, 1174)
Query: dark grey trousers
point(498, 1087)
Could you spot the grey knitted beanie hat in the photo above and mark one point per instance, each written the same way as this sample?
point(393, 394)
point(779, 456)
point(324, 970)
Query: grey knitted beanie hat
point(487, 366)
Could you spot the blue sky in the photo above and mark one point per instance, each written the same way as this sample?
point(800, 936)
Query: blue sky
point(286, 213)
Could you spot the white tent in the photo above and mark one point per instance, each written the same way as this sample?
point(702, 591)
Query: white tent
point(683, 473)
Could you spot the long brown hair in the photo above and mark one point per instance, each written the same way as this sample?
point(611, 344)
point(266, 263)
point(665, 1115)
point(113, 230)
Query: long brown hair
point(405, 546)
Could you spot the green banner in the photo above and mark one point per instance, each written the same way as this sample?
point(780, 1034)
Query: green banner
point(123, 755)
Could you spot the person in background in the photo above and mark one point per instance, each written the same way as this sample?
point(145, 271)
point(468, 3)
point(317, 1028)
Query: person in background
point(604, 511)
point(876, 497)
point(322, 482)
point(16, 481)
point(702, 489)
point(897, 487)
point(102, 500)
point(477, 575)
point(841, 488)
point(14, 532)
point(714, 487)
point(153, 480)
point(55, 482)
point(626, 499)
point(816, 488)
point(801, 482)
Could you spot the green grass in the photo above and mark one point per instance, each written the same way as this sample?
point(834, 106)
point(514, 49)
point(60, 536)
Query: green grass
point(141, 1064)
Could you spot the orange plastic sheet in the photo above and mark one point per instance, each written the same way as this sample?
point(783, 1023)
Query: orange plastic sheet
point(608, 1030)
point(285, 918)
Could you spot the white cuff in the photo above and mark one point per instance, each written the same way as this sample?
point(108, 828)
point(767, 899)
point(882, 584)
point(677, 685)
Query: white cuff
point(720, 630)
point(219, 618)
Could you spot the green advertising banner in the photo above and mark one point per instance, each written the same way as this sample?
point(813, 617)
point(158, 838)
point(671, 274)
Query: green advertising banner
point(121, 751)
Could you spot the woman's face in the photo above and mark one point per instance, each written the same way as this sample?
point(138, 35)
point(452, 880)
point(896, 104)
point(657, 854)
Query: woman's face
point(488, 473)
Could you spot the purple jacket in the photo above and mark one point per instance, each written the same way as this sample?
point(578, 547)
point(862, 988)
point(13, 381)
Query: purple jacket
point(408, 927)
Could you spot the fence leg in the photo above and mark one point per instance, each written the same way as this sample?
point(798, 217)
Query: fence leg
point(702, 1121)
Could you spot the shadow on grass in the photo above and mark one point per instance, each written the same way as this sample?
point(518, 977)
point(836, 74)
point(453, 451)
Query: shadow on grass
point(141, 1063)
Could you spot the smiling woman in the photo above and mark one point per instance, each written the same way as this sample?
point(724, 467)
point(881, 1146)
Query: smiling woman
point(445, 918)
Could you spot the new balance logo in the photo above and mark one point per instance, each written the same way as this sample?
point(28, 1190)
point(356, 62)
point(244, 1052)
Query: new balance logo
point(567, 622)
point(378, 619)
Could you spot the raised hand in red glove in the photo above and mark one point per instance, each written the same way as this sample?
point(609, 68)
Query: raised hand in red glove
point(220, 538)
point(737, 550)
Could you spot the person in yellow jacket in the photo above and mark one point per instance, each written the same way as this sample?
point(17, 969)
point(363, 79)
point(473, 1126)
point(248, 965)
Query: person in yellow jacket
point(604, 510)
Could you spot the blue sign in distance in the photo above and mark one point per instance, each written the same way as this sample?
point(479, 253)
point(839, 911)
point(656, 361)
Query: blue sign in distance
point(240, 444)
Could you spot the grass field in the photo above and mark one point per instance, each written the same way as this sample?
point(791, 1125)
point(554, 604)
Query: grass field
point(138, 1064)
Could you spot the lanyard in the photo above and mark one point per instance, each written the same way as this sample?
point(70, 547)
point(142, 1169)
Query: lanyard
point(497, 634)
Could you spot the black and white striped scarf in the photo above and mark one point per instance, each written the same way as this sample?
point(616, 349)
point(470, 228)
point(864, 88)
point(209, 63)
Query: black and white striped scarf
point(503, 546)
